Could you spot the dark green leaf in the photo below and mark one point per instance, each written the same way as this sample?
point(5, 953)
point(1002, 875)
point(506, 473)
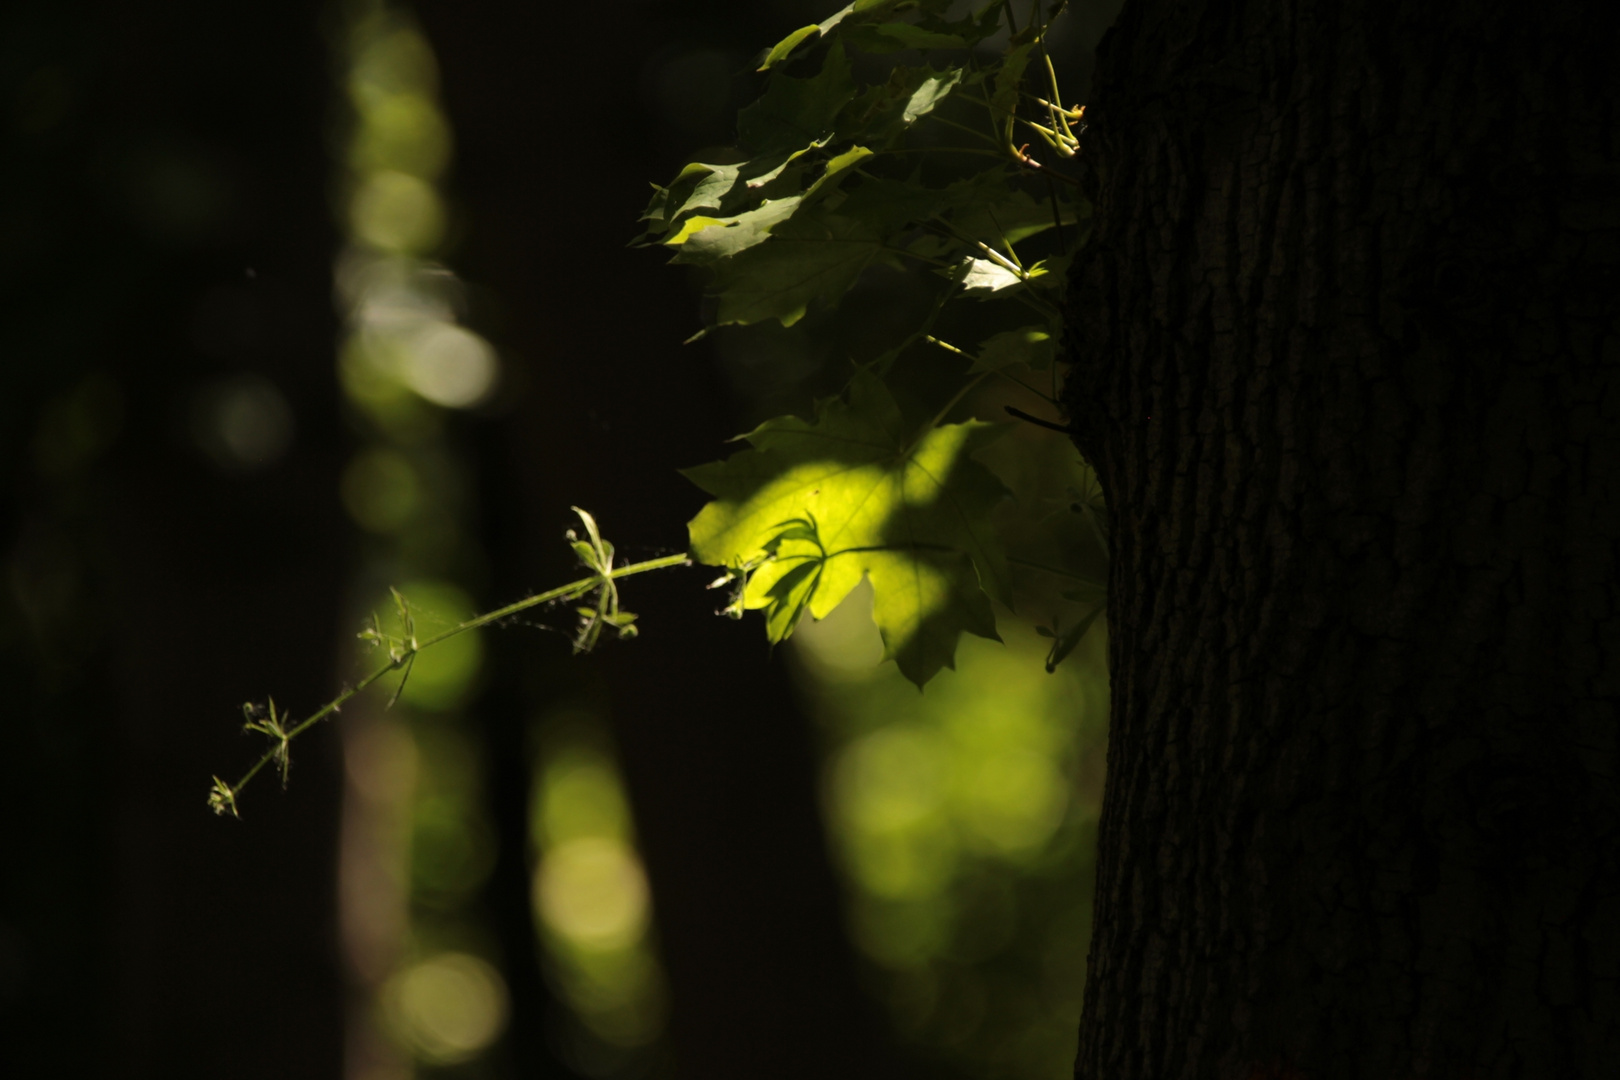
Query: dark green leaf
point(1066, 641)
point(893, 36)
point(883, 112)
point(1032, 345)
point(805, 263)
point(1007, 216)
point(795, 112)
point(713, 239)
point(1004, 96)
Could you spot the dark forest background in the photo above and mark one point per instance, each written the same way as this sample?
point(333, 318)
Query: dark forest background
point(168, 227)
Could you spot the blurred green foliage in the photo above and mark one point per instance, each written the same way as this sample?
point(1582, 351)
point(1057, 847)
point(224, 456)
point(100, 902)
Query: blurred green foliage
point(430, 995)
point(438, 1002)
point(965, 817)
point(592, 901)
point(965, 820)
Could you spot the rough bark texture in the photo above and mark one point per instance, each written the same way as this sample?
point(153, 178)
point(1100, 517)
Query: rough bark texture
point(1347, 359)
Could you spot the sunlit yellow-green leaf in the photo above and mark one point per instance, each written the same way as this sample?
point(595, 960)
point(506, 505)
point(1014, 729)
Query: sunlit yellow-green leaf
point(694, 224)
point(847, 160)
point(782, 49)
point(856, 493)
point(704, 240)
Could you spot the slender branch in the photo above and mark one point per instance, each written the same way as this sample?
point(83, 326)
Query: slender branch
point(928, 259)
point(947, 346)
point(1055, 571)
point(1009, 265)
point(579, 588)
point(224, 795)
point(1012, 252)
point(1035, 303)
point(1049, 399)
point(1057, 212)
point(975, 151)
point(1037, 421)
point(939, 417)
point(963, 127)
point(922, 331)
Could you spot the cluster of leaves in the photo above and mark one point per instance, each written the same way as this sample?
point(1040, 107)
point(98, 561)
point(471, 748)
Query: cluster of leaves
point(851, 161)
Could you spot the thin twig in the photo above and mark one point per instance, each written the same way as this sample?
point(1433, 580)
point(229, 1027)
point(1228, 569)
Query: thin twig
point(1030, 564)
point(224, 797)
point(1037, 421)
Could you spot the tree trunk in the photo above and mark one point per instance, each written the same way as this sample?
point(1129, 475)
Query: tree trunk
point(1347, 360)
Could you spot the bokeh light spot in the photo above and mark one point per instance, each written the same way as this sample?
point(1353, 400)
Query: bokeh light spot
point(592, 891)
point(380, 490)
point(448, 365)
point(401, 132)
point(242, 423)
point(396, 212)
point(580, 797)
point(846, 645)
point(448, 1007)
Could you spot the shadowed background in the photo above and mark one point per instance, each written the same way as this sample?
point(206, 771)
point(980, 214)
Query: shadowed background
point(206, 214)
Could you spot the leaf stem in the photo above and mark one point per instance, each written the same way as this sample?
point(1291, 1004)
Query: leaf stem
point(928, 259)
point(1010, 265)
point(971, 131)
point(1036, 304)
point(947, 346)
point(1050, 400)
point(1030, 564)
point(945, 297)
point(1037, 421)
point(975, 151)
point(939, 417)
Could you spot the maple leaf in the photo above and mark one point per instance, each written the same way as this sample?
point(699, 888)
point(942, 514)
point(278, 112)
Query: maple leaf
point(813, 507)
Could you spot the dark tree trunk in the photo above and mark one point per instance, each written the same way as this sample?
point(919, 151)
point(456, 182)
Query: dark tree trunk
point(526, 676)
point(1347, 359)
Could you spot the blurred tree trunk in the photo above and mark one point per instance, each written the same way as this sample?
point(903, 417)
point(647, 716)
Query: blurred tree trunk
point(174, 539)
point(1347, 358)
point(524, 674)
point(552, 167)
